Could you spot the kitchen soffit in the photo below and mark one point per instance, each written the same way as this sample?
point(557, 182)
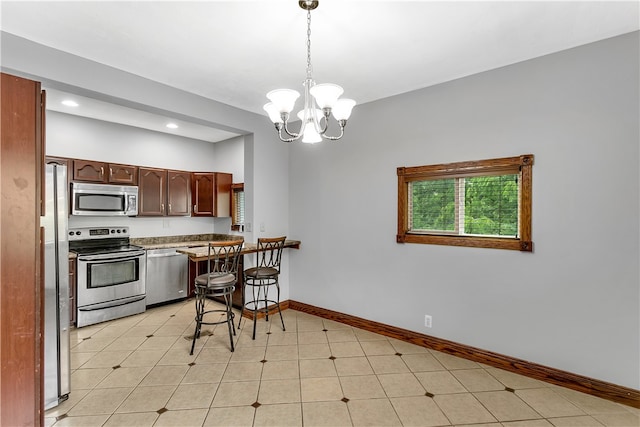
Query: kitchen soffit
point(109, 112)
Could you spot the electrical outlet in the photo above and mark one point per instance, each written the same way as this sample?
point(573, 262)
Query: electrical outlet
point(427, 321)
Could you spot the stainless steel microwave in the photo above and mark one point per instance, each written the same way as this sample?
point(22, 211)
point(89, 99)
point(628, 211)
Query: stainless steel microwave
point(104, 199)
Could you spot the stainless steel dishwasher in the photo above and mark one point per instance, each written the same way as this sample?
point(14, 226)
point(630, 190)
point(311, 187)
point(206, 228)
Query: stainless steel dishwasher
point(167, 275)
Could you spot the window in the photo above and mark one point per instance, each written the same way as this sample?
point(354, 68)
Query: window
point(237, 204)
point(484, 203)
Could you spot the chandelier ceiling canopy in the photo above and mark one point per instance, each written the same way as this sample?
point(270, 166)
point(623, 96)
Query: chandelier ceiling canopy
point(321, 101)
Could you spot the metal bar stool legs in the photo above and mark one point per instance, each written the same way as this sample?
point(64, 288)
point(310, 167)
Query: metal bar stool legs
point(201, 299)
point(261, 277)
point(218, 282)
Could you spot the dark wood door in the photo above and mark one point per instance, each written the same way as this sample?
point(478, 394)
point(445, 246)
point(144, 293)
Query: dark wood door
point(123, 174)
point(90, 171)
point(202, 192)
point(179, 193)
point(152, 185)
point(21, 278)
point(223, 194)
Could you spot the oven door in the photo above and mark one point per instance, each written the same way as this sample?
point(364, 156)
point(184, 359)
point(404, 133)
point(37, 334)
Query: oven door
point(110, 285)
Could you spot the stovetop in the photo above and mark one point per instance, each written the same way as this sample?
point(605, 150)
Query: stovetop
point(100, 240)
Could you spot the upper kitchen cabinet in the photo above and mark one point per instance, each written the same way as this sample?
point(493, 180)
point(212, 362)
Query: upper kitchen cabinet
point(164, 193)
point(211, 193)
point(178, 193)
point(89, 171)
point(123, 174)
point(104, 173)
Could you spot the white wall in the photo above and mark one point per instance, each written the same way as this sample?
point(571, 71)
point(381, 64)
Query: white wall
point(572, 304)
point(229, 157)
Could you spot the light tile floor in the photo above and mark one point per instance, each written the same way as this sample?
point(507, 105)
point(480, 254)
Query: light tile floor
point(137, 371)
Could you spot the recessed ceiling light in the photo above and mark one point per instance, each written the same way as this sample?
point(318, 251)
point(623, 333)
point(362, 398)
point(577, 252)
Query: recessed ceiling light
point(172, 126)
point(70, 103)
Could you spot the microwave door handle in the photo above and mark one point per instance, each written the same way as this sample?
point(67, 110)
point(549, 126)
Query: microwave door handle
point(126, 203)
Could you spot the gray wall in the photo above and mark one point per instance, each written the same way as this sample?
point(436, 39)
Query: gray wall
point(572, 304)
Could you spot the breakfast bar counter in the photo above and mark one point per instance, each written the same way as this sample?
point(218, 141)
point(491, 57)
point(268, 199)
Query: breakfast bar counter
point(199, 253)
point(198, 263)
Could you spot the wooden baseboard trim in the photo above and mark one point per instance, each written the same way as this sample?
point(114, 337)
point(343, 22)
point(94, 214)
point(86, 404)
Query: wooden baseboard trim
point(602, 389)
point(248, 314)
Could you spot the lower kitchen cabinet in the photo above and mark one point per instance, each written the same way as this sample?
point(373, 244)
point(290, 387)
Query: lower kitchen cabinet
point(72, 290)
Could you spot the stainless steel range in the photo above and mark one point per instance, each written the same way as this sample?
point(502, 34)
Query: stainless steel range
point(111, 274)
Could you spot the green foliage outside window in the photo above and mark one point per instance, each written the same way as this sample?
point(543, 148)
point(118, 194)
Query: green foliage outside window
point(434, 205)
point(491, 205)
point(487, 205)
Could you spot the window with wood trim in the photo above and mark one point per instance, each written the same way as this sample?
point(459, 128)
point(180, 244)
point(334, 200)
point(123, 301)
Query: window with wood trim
point(484, 203)
point(237, 207)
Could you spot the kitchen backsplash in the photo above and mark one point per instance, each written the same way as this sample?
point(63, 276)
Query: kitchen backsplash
point(161, 226)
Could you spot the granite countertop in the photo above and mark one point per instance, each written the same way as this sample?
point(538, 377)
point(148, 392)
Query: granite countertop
point(200, 252)
point(183, 241)
point(196, 245)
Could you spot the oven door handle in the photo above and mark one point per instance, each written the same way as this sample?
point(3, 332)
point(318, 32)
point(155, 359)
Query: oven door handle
point(111, 257)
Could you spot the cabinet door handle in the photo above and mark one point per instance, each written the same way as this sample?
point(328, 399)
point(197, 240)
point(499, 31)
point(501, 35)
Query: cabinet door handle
point(162, 207)
point(195, 208)
point(169, 207)
point(110, 171)
point(102, 170)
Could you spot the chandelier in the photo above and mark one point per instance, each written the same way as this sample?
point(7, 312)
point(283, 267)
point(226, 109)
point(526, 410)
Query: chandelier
point(320, 102)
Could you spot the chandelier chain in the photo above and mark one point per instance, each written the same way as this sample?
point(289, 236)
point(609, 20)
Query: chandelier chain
point(309, 68)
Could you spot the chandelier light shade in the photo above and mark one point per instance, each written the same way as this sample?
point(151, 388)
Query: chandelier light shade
point(321, 101)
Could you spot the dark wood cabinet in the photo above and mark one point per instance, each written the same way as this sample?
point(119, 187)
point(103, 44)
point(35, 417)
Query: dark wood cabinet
point(89, 171)
point(164, 192)
point(211, 192)
point(123, 174)
point(178, 193)
point(21, 276)
point(202, 191)
point(72, 290)
point(104, 173)
point(223, 194)
point(152, 185)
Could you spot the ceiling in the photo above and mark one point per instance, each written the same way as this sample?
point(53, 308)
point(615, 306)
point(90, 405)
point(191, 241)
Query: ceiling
point(236, 51)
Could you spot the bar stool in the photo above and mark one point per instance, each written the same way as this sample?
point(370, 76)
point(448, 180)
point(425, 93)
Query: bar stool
point(219, 281)
point(261, 277)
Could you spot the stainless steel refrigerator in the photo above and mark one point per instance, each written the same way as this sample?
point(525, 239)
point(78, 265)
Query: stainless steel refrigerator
point(56, 288)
